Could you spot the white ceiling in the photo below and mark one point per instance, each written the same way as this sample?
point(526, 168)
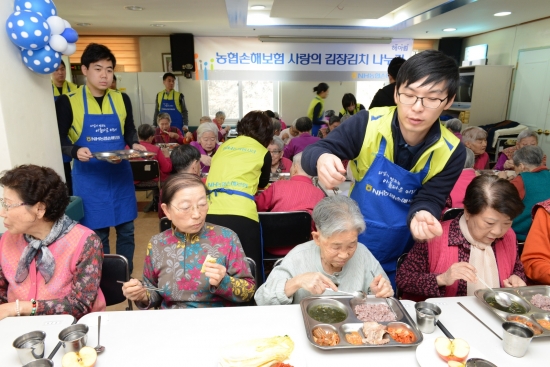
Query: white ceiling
point(420, 19)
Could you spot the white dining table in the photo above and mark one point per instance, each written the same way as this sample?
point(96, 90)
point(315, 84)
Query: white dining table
point(13, 327)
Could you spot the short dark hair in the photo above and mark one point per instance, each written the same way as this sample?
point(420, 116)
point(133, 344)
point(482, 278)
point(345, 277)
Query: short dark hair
point(489, 191)
point(256, 125)
point(62, 63)
point(304, 124)
point(183, 156)
point(178, 182)
point(36, 184)
point(433, 65)
point(348, 99)
point(333, 119)
point(95, 52)
point(270, 114)
point(114, 77)
point(395, 65)
point(145, 131)
point(166, 75)
point(320, 88)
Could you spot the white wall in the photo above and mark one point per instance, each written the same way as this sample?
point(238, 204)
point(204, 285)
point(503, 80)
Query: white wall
point(28, 125)
point(151, 50)
point(191, 89)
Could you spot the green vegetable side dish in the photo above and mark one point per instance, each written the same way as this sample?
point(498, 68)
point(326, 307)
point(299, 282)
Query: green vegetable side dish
point(327, 314)
point(514, 308)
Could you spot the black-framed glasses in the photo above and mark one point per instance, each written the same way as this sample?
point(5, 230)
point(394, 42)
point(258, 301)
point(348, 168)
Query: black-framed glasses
point(428, 102)
point(7, 207)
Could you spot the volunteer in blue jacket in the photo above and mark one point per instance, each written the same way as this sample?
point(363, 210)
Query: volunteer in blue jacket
point(404, 164)
point(98, 119)
point(171, 102)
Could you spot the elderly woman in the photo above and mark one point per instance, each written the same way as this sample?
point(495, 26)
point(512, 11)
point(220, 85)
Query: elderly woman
point(475, 138)
point(165, 133)
point(238, 170)
point(455, 126)
point(219, 119)
point(49, 264)
point(279, 164)
point(505, 158)
point(478, 244)
point(207, 144)
point(532, 182)
point(195, 263)
point(333, 123)
point(146, 135)
point(536, 252)
point(334, 259)
point(456, 197)
point(289, 133)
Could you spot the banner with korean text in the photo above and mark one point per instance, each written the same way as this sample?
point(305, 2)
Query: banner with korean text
point(234, 58)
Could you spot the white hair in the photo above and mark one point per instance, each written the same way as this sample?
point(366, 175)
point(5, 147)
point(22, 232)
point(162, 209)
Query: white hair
point(527, 134)
point(278, 142)
point(470, 158)
point(337, 214)
point(530, 156)
point(206, 127)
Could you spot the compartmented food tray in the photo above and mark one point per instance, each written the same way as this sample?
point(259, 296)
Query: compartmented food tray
point(343, 320)
point(116, 156)
point(522, 309)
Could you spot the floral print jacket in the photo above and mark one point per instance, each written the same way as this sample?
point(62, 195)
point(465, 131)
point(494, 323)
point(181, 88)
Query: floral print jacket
point(173, 263)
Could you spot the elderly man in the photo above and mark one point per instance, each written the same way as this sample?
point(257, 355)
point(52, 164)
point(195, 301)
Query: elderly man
point(532, 182)
point(334, 259)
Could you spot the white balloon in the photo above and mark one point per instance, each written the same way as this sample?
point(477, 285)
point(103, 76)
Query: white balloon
point(67, 24)
point(58, 43)
point(71, 49)
point(57, 25)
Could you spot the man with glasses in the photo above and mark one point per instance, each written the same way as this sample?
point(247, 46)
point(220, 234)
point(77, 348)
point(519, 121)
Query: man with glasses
point(403, 162)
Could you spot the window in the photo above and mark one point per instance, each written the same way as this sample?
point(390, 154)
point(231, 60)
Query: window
point(366, 91)
point(237, 98)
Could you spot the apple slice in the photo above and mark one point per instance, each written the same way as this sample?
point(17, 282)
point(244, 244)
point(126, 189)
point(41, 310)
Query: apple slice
point(452, 350)
point(455, 364)
point(85, 357)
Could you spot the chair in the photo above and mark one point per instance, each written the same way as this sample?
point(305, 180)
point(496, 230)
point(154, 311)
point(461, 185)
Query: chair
point(253, 268)
point(452, 213)
point(278, 262)
point(164, 224)
point(283, 230)
point(115, 267)
point(521, 245)
point(147, 178)
point(398, 292)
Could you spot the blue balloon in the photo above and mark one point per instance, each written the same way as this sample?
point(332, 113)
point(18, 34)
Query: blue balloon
point(43, 61)
point(70, 35)
point(46, 8)
point(28, 30)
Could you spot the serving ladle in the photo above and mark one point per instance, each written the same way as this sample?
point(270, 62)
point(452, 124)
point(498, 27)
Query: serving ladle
point(500, 297)
point(99, 348)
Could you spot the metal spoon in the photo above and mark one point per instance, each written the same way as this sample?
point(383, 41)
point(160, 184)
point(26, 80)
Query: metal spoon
point(99, 348)
point(500, 297)
point(357, 294)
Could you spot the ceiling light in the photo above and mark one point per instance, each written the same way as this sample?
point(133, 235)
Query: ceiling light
point(257, 7)
point(157, 25)
point(83, 24)
point(502, 14)
point(449, 29)
point(324, 40)
point(134, 8)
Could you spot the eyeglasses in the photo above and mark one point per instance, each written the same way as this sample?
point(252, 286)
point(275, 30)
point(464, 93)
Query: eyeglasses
point(427, 102)
point(275, 151)
point(7, 207)
point(189, 209)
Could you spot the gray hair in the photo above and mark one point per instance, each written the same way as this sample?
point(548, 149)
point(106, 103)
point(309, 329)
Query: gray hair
point(455, 125)
point(207, 127)
point(164, 116)
point(297, 162)
point(294, 123)
point(276, 124)
point(220, 114)
point(473, 133)
point(527, 134)
point(205, 119)
point(345, 117)
point(470, 158)
point(278, 142)
point(530, 156)
point(337, 214)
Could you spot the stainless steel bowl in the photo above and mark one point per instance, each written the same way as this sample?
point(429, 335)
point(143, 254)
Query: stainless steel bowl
point(108, 157)
point(30, 346)
point(74, 337)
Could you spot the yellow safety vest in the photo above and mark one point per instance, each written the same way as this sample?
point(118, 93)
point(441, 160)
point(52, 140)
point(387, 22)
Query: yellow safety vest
point(312, 105)
point(172, 95)
point(77, 105)
point(343, 111)
point(68, 87)
point(237, 166)
point(380, 120)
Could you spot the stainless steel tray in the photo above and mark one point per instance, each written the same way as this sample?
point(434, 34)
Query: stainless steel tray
point(352, 323)
point(128, 154)
point(522, 295)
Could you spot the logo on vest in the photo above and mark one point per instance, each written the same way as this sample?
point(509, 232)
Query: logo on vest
point(374, 118)
point(368, 188)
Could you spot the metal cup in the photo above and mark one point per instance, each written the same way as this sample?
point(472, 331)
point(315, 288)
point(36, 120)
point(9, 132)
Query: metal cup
point(516, 338)
point(43, 362)
point(427, 315)
point(74, 337)
point(30, 346)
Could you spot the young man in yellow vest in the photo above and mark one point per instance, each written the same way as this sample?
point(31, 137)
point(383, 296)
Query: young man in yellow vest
point(403, 161)
point(99, 119)
point(171, 102)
